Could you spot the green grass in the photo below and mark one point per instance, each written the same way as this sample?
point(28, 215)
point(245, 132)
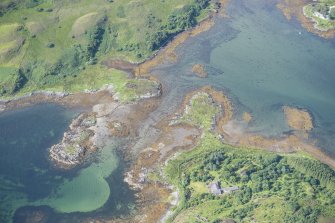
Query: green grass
point(201, 111)
point(82, 33)
point(92, 78)
point(272, 209)
point(71, 150)
point(199, 187)
point(11, 42)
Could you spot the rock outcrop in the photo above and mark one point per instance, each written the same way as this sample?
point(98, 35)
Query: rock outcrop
point(76, 142)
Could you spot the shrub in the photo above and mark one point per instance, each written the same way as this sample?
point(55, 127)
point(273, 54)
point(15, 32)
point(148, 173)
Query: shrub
point(50, 45)
point(332, 14)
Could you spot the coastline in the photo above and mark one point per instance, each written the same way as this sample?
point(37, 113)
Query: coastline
point(168, 51)
point(146, 172)
point(292, 9)
point(150, 158)
point(134, 70)
point(83, 99)
point(236, 134)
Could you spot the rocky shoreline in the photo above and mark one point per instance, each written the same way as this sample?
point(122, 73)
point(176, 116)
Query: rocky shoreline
point(76, 143)
point(150, 89)
point(179, 132)
point(89, 131)
point(177, 136)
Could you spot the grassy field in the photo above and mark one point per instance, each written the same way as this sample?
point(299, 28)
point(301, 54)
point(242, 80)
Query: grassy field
point(43, 43)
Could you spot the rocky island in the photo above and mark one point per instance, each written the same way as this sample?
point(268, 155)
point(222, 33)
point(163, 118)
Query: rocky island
point(298, 119)
point(76, 143)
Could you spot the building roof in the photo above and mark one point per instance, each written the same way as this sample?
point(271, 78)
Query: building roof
point(230, 189)
point(215, 188)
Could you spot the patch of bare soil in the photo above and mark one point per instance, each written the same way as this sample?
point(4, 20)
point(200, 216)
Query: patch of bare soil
point(120, 65)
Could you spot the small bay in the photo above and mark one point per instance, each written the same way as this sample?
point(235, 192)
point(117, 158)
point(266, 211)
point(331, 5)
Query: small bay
point(27, 178)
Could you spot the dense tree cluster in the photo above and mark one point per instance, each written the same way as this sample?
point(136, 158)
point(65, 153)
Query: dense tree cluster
point(214, 160)
point(314, 169)
point(322, 8)
point(95, 38)
point(178, 21)
point(15, 83)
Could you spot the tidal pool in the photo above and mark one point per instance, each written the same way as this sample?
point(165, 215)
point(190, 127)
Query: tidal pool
point(28, 179)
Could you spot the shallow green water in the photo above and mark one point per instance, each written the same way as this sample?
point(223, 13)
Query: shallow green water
point(263, 62)
point(87, 191)
point(28, 179)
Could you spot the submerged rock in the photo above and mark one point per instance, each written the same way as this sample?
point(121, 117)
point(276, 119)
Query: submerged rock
point(2, 107)
point(199, 70)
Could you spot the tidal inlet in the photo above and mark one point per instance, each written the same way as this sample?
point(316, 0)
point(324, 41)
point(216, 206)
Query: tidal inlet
point(218, 111)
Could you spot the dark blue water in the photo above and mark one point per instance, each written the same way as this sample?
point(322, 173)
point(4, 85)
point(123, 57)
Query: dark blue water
point(25, 136)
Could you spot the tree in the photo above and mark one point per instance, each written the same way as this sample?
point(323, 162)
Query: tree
point(332, 14)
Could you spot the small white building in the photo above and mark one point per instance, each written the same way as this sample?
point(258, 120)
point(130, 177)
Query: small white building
point(216, 189)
